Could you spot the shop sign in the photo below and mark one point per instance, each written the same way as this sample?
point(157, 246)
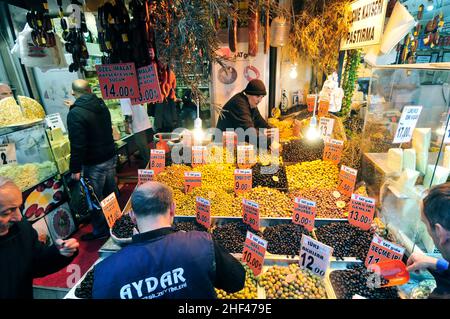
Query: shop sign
point(254, 251)
point(361, 211)
point(333, 150)
point(382, 250)
point(203, 211)
point(314, 256)
point(304, 213)
point(54, 121)
point(191, 180)
point(326, 126)
point(111, 209)
point(245, 156)
point(242, 180)
point(145, 175)
point(149, 89)
point(118, 80)
point(347, 180)
point(8, 154)
point(157, 160)
point(198, 155)
point(250, 213)
point(407, 124)
point(367, 22)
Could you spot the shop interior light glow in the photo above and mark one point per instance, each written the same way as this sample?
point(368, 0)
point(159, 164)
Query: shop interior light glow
point(198, 133)
point(430, 5)
point(293, 72)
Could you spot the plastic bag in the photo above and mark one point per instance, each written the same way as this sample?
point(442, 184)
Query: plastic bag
point(83, 199)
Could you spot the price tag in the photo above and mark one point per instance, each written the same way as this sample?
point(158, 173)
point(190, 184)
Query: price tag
point(304, 213)
point(149, 89)
point(229, 139)
point(157, 160)
point(242, 180)
point(203, 209)
point(333, 151)
point(254, 252)
point(447, 134)
point(198, 155)
point(191, 180)
point(111, 209)
point(54, 121)
point(250, 213)
point(347, 181)
point(326, 126)
point(361, 211)
point(245, 156)
point(145, 175)
point(323, 108)
point(407, 123)
point(118, 80)
point(8, 154)
point(381, 250)
point(314, 256)
point(310, 101)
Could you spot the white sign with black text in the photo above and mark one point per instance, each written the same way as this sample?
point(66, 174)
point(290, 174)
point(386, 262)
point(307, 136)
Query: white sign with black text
point(54, 121)
point(314, 256)
point(326, 126)
point(8, 154)
point(407, 124)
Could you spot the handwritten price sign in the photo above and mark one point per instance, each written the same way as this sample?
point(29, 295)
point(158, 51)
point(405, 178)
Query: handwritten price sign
point(333, 151)
point(407, 123)
point(347, 180)
point(304, 213)
point(118, 80)
point(203, 209)
point(145, 175)
point(250, 214)
point(111, 209)
point(362, 210)
point(157, 160)
point(326, 126)
point(254, 252)
point(242, 180)
point(191, 180)
point(149, 89)
point(381, 250)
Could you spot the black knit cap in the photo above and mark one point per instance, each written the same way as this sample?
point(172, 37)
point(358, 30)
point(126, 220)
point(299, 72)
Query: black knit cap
point(255, 87)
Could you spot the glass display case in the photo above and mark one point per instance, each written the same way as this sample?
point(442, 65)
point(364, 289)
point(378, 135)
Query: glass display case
point(28, 156)
point(401, 160)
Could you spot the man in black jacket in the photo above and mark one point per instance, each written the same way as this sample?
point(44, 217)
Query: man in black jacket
point(92, 148)
point(162, 263)
point(22, 256)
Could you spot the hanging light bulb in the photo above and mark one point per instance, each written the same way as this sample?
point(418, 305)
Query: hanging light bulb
point(430, 5)
point(313, 132)
point(293, 72)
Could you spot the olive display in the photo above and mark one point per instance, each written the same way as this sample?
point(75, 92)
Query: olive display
point(219, 155)
point(291, 283)
point(267, 176)
point(232, 236)
point(346, 240)
point(84, 290)
point(272, 202)
point(123, 227)
point(329, 203)
point(316, 174)
point(173, 176)
point(217, 175)
point(266, 158)
point(189, 226)
point(221, 201)
point(302, 150)
point(250, 290)
point(358, 281)
point(284, 239)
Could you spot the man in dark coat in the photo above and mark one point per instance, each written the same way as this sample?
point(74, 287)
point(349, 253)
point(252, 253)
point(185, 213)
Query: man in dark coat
point(22, 256)
point(92, 148)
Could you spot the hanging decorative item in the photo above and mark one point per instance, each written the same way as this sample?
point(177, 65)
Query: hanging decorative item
point(253, 28)
point(39, 20)
point(348, 81)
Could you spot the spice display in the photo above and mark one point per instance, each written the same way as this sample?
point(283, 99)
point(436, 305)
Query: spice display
point(123, 227)
point(346, 240)
point(357, 281)
point(173, 176)
point(302, 150)
point(28, 175)
point(219, 176)
point(188, 226)
point(316, 174)
point(250, 290)
point(232, 236)
point(284, 239)
point(266, 176)
point(328, 202)
point(292, 283)
point(84, 291)
point(272, 202)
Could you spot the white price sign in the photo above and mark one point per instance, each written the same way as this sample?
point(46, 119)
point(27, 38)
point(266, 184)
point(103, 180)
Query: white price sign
point(54, 121)
point(314, 256)
point(407, 124)
point(8, 154)
point(145, 175)
point(326, 126)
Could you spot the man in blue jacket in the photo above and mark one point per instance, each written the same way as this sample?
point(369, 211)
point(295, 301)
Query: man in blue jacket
point(162, 263)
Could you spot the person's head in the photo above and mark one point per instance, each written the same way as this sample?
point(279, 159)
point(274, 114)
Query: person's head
point(255, 92)
point(80, 87)
point(187, 97)
point(10, 201)
point(5, 91)
point(153, 205)
point(436, 216)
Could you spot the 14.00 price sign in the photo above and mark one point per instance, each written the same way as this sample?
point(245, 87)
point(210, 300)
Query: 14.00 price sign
point(118, 80)
point(253, 253)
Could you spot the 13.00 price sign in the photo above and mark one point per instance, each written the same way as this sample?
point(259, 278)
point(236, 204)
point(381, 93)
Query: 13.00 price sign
point(361, 211)
point(253, 253)
point(118, 80)
point(149, 89)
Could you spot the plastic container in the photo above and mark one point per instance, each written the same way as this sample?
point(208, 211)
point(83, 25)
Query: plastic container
point(392, 270)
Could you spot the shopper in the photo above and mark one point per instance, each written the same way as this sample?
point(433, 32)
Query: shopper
point(92, 149)
point(163, 263)
point(22, 256)
point(436, 216)
point(189, 112)
point(5, 91)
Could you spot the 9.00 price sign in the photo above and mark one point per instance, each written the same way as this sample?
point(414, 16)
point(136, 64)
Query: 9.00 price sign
point(253, 253)
point(118, 80)
point(242, 180)
point(407, 123)
point(203, 211)
point(361, 211)
point(314, 256)
point(304, 213)
point(250, 214)
point(149, 89)
point(157, 160)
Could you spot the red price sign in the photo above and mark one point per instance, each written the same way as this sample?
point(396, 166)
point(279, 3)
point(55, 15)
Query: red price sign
point(381, 250)
point(242, 180)
point(245, 156)
point(118, 80)
point(250, 213)
point(253, 253)
point(203, 209)
point(361, 211)
point(347, 180)
point(111, 209)
point(157, 160)
point(323, 108)
point(145, 175)
point(304, 213)
point(149, 89)
point(310, 101)
point(229, 139)
point(333, 150)
point(198, 155)
point(191, 180)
